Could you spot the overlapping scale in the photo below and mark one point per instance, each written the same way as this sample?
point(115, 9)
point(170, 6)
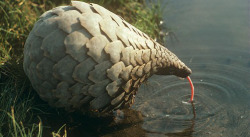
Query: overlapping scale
point(84, 57)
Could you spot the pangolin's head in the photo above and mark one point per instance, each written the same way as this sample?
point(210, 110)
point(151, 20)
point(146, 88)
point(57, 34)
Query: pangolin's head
point(174, 66)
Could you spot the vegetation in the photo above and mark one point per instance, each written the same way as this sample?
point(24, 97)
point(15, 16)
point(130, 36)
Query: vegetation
point(19, 104)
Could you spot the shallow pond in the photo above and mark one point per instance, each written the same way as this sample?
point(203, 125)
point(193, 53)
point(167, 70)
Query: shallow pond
point(214, 41)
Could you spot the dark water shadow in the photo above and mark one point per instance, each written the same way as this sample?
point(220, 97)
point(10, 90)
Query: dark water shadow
point(78, 125)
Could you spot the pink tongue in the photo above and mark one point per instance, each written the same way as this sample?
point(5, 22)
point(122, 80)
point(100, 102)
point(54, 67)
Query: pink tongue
point(192, 89)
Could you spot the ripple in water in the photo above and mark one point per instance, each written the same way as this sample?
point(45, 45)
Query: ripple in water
point(220, 91)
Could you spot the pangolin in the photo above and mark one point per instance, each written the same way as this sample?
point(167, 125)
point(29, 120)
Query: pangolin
point(84, 57)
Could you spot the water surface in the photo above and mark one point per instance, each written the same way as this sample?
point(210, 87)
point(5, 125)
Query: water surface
point(213, 40)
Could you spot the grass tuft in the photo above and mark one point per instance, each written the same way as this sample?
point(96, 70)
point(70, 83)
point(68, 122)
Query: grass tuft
point(18, 130)
point(57, 134)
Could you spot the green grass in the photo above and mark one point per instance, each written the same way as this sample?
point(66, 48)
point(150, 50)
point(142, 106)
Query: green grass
point(19, 104)
point(18, 129)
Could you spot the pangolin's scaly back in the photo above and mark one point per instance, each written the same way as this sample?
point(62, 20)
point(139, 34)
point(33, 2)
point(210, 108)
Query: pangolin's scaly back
point(84, 57)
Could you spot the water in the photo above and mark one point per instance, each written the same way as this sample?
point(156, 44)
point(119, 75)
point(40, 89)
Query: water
point(214, 42)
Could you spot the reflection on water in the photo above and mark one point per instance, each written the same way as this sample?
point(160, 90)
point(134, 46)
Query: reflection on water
point(214, 42)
